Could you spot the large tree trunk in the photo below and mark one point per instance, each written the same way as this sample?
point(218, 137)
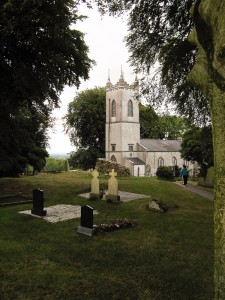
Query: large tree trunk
point(208, 73)
point(218, 122)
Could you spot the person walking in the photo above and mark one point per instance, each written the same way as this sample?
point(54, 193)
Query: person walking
point(184, 174)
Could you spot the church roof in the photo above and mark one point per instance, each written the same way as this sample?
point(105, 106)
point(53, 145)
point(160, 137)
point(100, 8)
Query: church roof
point(161, 145)
point(136, 161)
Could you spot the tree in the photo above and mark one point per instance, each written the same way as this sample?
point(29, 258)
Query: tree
point(149, 122)
point(208, 73)
point(172, 127)
point(84, 159)
point(197, 146)
point(157, 33)
point(39, 54)
point(23, 141)
point(85, 124)
point(166, 126)
point(159, 30)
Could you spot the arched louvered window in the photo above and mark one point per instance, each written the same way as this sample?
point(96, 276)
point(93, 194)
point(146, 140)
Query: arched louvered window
point(113, 108)
point(174, 161)
point(130, 108)
point(160, 162)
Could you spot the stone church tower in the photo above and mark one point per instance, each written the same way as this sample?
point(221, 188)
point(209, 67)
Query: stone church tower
point(122, 120)
point(122, 134)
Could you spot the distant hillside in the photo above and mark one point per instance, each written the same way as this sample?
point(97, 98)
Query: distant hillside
point(59, 155)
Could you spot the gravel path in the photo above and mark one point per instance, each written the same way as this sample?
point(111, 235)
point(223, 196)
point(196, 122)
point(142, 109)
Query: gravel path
point(195, 189)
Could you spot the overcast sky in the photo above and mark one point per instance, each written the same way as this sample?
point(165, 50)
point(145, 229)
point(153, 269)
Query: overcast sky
point(104, 37)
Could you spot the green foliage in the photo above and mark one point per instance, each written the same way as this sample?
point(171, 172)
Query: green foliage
point(55, 164)
point(165, 172)
point(105, 167)
point(24, 141)
point(149, 122)
point(197, 146)
point(85, 120)
point(39, 54)
point(84, 159)
point(172, 127)
point(85, 124)
point(158, 32)
point(154, 126)
point(208, 181)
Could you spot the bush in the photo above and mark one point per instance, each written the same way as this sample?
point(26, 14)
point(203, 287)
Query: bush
point(165, 172)
point(54, 165)
point(105, 167)
point(209, 180)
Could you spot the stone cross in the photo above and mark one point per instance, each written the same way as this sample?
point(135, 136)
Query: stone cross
point(95, 182)
point(113, 187)
point(113, 184)
point(95, 193)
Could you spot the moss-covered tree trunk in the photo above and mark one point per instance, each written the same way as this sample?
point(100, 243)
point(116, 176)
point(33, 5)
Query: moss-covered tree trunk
point(209, 74)
point(218, 122)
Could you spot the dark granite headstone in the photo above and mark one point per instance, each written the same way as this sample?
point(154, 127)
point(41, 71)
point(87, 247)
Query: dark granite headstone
point(86, 222)
point(38, 203)
point(86, 216)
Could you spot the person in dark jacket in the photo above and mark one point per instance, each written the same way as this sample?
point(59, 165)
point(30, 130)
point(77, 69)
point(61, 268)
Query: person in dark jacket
point(184, 174)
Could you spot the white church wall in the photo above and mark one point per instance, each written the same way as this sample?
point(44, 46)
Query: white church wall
point(139, 170)
point(166, 159)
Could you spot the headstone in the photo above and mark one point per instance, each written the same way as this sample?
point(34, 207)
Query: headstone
point(95, 194)
point(38, 203)
point(113, 187)
point(86, 223)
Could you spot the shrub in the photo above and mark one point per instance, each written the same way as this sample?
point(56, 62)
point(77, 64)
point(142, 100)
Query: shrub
point(209, 180)
point(105, 167)
point(165, 172)
point(54, 165)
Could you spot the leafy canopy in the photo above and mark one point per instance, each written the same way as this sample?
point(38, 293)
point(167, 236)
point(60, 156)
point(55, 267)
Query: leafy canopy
point(157, 33)
point(197, 145)
point(39, 54)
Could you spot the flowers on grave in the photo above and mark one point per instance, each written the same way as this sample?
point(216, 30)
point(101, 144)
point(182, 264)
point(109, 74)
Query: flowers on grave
point(115, 225)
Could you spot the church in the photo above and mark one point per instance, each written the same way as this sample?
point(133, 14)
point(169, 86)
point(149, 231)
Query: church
point(122, 132)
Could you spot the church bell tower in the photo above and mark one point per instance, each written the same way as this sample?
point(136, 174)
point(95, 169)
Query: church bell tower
point(122, 128)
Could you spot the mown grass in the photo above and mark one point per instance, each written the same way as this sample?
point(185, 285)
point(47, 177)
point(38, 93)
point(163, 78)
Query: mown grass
point(166, 256)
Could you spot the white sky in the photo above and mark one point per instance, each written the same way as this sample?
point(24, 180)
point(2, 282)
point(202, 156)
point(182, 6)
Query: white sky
point(104, 37)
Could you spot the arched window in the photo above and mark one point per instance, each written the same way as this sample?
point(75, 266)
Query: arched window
point(130, 108)
point(174, 161)
point(186, 163)
point(160, 162)
point(113, 108)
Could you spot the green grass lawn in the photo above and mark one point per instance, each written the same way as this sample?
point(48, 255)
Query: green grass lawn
point(166, 256)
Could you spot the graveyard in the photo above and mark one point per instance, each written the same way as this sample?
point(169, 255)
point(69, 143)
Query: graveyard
point(166, 255)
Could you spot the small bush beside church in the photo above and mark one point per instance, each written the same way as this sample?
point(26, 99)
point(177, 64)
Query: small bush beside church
point(165, 172)
point(104, 167)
